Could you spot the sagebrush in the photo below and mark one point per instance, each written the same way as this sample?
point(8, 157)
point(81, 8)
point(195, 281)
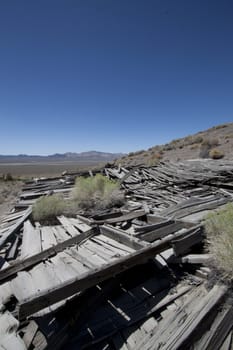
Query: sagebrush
point(219, 230)
point(216, 154)
point(46, 209)
point(96, 192)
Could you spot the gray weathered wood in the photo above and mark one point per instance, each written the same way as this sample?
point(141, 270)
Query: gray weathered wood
point(126, 217)
point(192, 237)
point(13, 229)
point(31, 241)
point(86, 280)
point(122, 237)
point(30, 332)
point(20, 265)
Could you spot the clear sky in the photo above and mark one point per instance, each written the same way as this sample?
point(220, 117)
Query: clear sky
point(112, 75)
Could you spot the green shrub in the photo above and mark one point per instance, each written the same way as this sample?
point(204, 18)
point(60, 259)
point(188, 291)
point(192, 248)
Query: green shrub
point(47, 208)
point(219, 229)
point(96, 192)
point(216, 154)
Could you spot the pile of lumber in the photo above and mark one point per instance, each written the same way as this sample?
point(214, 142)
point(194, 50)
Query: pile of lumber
point(137, 277)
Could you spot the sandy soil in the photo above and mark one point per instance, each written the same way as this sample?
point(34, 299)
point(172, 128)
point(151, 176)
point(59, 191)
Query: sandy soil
point(9, 191)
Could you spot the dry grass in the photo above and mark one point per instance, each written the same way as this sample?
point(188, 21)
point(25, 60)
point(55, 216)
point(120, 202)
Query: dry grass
point(96, 192)
point(216, 154)
point(9, 189)
point(154, 159)
point(47, 208)
point(207, 145)
point(219, 229)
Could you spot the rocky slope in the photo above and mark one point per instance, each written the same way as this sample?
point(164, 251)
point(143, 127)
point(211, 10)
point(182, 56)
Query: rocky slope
point(215, 143)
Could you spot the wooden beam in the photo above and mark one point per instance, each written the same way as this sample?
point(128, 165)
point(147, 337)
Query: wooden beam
point(45, 254)
point(126, 217)
point(192, 237)
point(163, 231)
point(122, 237)
point(14, 228)
point(86, 280)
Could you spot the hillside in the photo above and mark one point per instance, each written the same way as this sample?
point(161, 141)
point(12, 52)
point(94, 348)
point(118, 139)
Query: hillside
point(215, 143)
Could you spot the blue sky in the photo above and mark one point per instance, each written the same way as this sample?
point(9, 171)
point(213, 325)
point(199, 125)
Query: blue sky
point(112, 75)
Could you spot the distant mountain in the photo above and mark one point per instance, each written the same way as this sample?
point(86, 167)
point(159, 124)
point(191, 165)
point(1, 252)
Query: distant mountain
point(84, 157)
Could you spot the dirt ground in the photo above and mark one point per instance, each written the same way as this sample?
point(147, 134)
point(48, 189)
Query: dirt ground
point(20, 172)
point(30, 170)
point(8, 194)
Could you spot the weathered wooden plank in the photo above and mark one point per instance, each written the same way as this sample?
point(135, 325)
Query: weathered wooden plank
point(100, 250)
point(114, 243)
point(68, 226)
point(191, 238)
point(7, 235)
point(30, 261)
point(155, 226)
point(86, 280)
point(126, 217)
point(122, 237)
point(218, 331)
point(196, 259)
point(92, 259)
point(13, 249)
point(182, 336)
point(31, 242)
point(81, 226)
point(60, 233)
point(13, 216)
point(48, 238)
point(22, 285)
point(39, 342)
point(30, 332)
point(227, 344)
point(163, 231)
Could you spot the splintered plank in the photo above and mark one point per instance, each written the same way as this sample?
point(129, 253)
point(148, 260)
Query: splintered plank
point(45, 254)
point(29, 333)
point(60, 233)
point(41, 300)
point(122, 237)
point(67, 224)
point(14, 228)
point(81, 226)
point(48, 238)
point(163, 230)
point(31, 242)
point(126, 217)
point(179, 329)
point(192, 237)
point(111, 242)
point(92, 259)
point(67, 266)
point(183, 333)
point(14, 216)
point(218, 331)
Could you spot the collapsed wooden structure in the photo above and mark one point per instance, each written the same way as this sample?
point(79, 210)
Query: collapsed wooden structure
point(135, 277)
